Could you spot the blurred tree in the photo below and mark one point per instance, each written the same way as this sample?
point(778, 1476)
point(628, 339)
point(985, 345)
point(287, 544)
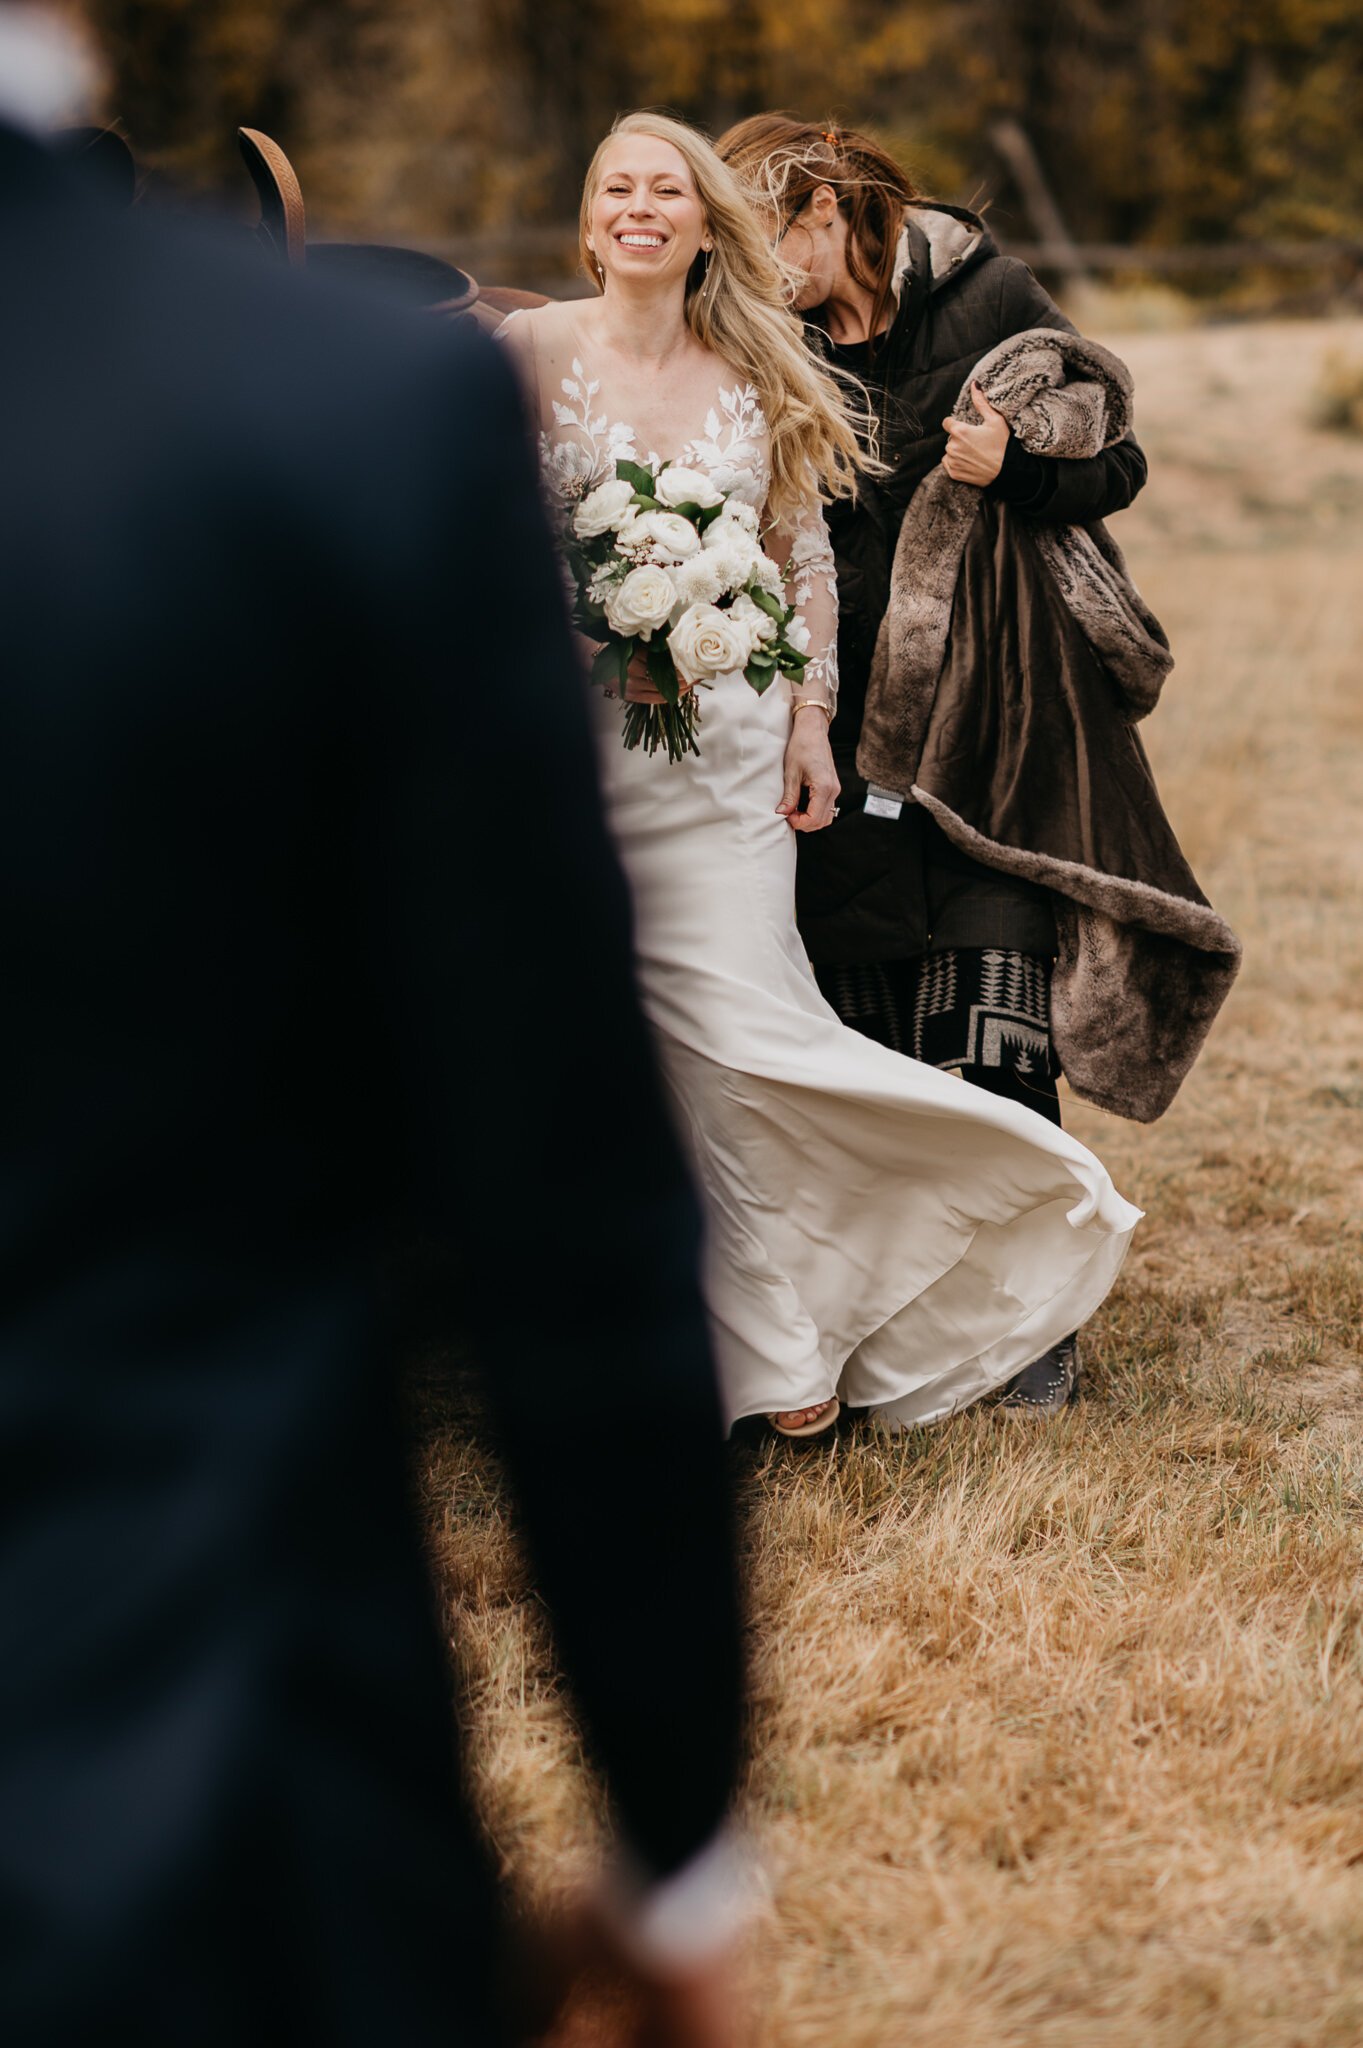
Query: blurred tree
point(1165, 120)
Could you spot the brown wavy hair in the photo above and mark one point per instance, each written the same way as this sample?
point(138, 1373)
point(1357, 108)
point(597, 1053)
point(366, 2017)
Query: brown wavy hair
point(783, 161)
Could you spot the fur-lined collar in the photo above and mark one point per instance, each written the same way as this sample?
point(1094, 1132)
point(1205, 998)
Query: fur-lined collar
point(953, 236)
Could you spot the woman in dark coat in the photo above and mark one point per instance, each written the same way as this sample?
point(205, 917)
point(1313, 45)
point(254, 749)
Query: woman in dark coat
point(912, 941)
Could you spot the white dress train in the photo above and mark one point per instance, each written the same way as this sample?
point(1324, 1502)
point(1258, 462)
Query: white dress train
point(875, 1228)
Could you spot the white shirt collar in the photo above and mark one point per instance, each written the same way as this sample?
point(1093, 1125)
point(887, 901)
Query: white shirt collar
point(47, 74)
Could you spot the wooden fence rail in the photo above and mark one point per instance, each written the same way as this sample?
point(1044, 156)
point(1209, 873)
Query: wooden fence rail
point(526, 254)
point(1189, 259)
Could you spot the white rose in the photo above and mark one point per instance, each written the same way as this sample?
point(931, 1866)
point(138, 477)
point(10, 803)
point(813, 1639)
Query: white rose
point(761, 625)
point(706, 643)
point(797, 633)
point(643, 602)
point(603, 510)
point(664, 536)
point(699, 581)
point(678, 485)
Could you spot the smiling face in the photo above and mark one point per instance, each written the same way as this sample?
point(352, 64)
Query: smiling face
point(646, 219)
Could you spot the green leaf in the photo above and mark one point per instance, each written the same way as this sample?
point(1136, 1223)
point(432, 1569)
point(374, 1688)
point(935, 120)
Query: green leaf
point(704, 515)
point(635, 473)
point(790, 658)
point(760, 678)
point(765, 602)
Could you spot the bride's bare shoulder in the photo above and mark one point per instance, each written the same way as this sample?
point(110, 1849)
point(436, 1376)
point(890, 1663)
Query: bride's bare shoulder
point(548, 328)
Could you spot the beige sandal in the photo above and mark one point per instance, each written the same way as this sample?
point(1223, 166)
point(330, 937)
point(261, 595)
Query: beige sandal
point(822, 1425)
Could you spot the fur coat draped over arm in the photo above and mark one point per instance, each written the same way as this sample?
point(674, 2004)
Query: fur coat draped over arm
point(1013, 663)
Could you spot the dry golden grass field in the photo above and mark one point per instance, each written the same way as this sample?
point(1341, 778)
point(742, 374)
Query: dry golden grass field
point(1058, 1733)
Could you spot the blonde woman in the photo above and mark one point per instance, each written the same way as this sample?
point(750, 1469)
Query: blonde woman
point(881, 1236)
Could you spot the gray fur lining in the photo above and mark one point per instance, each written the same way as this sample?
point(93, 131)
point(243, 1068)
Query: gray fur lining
point(1063, 396)
point(949, 241)
point(1128, 1018)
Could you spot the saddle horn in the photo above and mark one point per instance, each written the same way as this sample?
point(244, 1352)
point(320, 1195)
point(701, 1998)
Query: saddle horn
point(409, 276)
point(283, 218)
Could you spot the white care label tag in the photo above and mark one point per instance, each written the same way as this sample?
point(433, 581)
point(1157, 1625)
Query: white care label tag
point(882, 803)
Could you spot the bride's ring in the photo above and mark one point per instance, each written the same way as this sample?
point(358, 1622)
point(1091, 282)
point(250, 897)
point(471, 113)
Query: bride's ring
point(836, 809)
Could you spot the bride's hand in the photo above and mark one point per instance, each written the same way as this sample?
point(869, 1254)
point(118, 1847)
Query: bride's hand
point(809, 765)
point(638, 688)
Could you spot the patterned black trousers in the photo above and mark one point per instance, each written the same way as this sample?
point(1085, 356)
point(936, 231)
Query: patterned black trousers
point(979, 1012)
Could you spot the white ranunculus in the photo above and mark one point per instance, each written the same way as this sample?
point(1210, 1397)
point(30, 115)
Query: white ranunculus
point(643, 602)
point(761, 625)
point(742, 513)
point(662, 536)
point(699, 581)
point(604, 510)
point(706, 643)
point(797, 633)
point(678, 485)
point(727, 532)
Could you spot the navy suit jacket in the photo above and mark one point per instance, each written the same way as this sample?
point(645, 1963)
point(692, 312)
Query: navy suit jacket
point(289, 973)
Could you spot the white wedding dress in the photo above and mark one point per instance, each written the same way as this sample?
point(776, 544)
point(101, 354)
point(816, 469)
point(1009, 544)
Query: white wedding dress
point(875, 1228)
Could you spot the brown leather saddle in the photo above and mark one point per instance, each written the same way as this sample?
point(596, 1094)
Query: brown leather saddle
point(424, 282)
point(412, 277)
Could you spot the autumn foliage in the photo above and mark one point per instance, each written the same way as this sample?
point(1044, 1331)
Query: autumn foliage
point(1158, 121)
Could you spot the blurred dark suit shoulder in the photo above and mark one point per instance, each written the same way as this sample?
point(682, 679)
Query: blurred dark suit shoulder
point(210, 500)
point(272, 576)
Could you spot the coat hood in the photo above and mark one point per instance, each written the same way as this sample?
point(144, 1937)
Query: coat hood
point(950, 237)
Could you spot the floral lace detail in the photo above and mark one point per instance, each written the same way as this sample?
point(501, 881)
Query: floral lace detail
point(812, 584)
point(732, 450)
point(572, 468)
point(736, 462)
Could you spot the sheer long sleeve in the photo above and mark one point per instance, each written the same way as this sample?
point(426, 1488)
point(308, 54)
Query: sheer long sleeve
point(801, 545)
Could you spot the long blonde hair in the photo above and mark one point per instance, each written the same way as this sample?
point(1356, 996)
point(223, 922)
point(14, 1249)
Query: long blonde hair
point(738, 307)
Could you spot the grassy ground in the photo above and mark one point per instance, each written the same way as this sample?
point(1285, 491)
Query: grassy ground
point(1058, 1734)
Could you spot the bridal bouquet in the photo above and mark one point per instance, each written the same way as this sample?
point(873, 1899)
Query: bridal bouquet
point(668, 566)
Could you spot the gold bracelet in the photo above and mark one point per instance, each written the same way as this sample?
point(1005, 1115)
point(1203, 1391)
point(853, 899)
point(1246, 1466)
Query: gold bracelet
point(813, 704)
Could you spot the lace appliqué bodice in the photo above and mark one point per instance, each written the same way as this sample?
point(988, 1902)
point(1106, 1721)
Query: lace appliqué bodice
point(584, 444)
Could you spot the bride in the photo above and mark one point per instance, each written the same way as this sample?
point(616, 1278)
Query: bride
point(879, 1234)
